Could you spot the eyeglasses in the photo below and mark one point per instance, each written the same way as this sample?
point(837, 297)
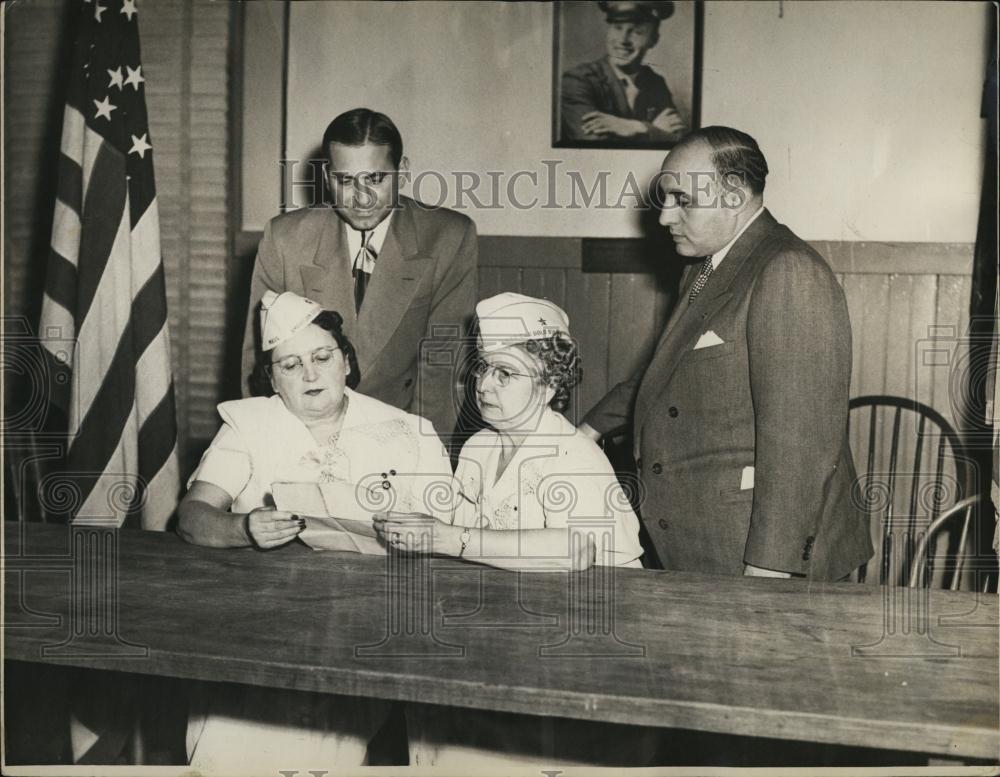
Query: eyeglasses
point(321, 358)
point(501, 375)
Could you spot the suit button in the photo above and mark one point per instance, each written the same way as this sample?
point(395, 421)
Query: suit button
point(408, 383)
point(673, 412)
point(663, 523)
point(657, 468)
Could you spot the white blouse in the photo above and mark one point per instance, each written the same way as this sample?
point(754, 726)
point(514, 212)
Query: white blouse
point(556, 476)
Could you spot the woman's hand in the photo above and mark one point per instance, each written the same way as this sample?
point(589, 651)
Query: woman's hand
point(417, 533)
point(270, 528)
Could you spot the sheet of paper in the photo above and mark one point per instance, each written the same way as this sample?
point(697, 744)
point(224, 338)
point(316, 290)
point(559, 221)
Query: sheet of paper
point(350, 531)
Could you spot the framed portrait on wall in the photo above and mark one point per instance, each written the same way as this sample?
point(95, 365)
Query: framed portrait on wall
point(626, 73)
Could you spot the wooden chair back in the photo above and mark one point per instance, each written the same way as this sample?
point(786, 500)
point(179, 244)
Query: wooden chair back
point(912, 468)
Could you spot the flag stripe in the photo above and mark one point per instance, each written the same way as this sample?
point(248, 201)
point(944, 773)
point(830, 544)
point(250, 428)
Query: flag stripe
point(100, 332)
point(80, 144)
point(153, 370)
point(112, 405)
point(60, 289)
point(104, 213)
point(156, 441)
point(74, 133)
point(58, 385)
point(134, 262)
point(162, 491)
point(146, 260)
point(69, 191)
point(109, 491)
point(66, 231)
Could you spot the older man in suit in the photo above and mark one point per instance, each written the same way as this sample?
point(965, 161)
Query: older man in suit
point(740, 418)
point(402, 275)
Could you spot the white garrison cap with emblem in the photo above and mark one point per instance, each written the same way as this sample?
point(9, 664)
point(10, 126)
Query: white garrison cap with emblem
point(510, 318)
point(283, 316)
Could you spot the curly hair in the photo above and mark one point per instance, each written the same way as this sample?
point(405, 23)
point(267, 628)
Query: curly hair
point(330, 321)
point(560, 360)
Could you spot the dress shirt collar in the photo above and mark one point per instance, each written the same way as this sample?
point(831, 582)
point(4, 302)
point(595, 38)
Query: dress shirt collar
point(374, 242)
point(719, 255)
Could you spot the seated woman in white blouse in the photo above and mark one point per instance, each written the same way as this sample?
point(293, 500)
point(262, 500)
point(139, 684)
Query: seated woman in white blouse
point(533, 491)
point(313, 428)
point(533, 494)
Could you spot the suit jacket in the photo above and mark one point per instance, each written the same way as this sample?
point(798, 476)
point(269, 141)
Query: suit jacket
point(417, 304)
point(595, 86)
point(773, 396)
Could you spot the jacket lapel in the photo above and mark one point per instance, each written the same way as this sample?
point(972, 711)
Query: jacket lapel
point(683, 329)
point(399, 270)
point(615, 89)
point(328, 279)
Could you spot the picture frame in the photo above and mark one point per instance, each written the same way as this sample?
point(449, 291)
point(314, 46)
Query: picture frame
point(626, 74)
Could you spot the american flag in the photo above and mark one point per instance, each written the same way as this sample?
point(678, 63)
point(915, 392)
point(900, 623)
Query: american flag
point(104, 315)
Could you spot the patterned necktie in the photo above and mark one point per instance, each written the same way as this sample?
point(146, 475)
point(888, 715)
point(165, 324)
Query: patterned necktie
point(702, 279)
point(364, 263)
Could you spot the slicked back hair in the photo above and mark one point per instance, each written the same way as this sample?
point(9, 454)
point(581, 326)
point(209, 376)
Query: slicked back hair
point(735, 154)
point(360, 126)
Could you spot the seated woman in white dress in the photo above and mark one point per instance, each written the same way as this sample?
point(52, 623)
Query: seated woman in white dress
point(534, 494)
point(314, 428)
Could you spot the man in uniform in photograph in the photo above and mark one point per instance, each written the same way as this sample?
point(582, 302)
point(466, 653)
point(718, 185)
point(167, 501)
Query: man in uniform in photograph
point(617, 98)
point(399, 272)
point(740, 418)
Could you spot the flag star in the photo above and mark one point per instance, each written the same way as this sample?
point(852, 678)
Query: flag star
point(98, 10)
point(116, 77)
point(134, 77)
point(104, 108)
point(128, 8)
point(140, 146)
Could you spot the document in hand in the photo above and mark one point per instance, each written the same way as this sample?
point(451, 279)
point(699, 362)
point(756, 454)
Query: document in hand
point(350, 529)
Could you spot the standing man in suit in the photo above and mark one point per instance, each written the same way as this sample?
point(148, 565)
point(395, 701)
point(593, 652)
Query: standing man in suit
point(617, 98)
point(402, 274)
point(740, 418)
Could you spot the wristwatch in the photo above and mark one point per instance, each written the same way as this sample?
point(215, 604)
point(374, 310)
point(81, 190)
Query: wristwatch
point(464, 538)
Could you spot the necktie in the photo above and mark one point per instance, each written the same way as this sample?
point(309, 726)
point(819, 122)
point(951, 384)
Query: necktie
point(701, 280)
point(631, 92)
point(364, 263)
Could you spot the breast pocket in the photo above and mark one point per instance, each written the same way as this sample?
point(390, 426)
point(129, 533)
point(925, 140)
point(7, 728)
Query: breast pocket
point(736, 494)
point(707, 353)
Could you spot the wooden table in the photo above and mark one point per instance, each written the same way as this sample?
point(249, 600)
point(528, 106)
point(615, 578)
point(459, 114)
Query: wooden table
point(848, 664)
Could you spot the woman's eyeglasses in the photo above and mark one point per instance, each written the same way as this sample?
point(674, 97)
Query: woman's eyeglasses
point(501, 375)
point(321, 358)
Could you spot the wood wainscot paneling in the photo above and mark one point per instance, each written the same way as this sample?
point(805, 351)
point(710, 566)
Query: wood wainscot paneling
point(901, 297)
